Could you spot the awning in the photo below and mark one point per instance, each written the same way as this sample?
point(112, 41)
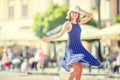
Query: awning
point(112, 32)
point(12, 30)
point(88, 32)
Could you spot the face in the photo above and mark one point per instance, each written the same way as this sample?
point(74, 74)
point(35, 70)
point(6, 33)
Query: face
point(74, 15)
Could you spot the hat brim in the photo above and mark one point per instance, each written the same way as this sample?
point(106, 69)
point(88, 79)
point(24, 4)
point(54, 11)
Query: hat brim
point(81, 13)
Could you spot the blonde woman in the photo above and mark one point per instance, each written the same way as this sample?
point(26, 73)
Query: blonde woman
point(75, 53)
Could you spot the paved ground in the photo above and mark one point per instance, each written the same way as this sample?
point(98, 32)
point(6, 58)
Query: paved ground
point(53, 74)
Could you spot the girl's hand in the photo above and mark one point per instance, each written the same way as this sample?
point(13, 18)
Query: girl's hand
point(46, 39)
point(79, 8)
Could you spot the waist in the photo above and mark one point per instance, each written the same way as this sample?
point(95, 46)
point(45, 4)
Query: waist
point(74, 42)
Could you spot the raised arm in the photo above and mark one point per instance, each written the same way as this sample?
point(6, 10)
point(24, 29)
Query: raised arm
point(87, 14)
point(60, 34)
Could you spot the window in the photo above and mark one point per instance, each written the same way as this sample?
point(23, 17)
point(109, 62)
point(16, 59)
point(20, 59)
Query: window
point(0, 27)
point(118, 6)
point(24, 8)
point(11, 9)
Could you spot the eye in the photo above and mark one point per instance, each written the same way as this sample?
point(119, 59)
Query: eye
point(75, 12)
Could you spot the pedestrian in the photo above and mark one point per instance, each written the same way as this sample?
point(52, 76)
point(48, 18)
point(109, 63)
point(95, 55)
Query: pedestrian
point(42, 58)
point(117, 64)
point(5, 60)
point(75, 53)
point(24, 66)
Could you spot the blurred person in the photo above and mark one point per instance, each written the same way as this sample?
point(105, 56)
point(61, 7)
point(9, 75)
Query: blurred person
point(117, 64)
point(32, 63)
point(75, 53)
point(5, 60)
point(11, 56)
point(1, 66)
point(42, 58)
point(108, 62)
point(36, 60)
point(25, 66)
point(23, 51)
point(114, 57)
point(30, 51)
point(17, 62)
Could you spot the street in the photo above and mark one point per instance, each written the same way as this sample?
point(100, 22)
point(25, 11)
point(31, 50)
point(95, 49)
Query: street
point(52, 74)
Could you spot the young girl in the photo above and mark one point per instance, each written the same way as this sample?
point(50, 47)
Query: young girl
point(75, 53)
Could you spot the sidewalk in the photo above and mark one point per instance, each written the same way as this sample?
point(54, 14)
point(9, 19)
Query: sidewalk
point(94, 75)
point(53, 74)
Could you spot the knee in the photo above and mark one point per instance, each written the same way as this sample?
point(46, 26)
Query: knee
point(78, 72)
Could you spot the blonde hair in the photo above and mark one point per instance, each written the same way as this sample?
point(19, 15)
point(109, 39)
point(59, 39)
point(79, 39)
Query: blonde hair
point(69, 17)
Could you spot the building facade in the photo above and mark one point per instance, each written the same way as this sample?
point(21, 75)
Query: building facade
point(17, 16)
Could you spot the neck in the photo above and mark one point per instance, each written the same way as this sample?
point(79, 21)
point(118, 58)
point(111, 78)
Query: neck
point(73, 20)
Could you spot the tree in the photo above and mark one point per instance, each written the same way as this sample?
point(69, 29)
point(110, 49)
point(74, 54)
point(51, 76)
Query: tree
point(117, 19)
point(92, 22)
point(48, 20)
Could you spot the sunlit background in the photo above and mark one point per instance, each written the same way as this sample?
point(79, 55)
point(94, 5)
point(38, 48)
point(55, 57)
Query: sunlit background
point(24, 22)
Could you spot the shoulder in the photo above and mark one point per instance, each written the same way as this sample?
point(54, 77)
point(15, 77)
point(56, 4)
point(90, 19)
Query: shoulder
point(67, 25)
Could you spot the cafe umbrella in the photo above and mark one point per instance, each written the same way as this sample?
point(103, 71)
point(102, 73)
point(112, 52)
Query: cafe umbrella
point(112, 32)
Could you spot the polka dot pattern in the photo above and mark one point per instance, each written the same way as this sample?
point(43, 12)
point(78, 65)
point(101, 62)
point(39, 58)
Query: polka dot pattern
point(75, 51)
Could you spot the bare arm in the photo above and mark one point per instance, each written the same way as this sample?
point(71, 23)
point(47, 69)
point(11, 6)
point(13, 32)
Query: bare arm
point(87, 14)
point(60, 34)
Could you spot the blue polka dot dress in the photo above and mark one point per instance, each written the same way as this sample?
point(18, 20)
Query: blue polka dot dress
point(75, 52)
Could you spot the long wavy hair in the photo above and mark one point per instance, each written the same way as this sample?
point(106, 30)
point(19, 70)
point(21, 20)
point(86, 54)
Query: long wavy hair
point(69, 17)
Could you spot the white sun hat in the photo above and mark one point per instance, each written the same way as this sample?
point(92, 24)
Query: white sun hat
point(75, 9)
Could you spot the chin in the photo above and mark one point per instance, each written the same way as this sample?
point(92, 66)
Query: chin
point(74, 17)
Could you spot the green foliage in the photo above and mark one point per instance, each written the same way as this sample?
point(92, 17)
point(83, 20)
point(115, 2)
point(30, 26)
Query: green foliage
point(51, 18)
point(117, 19)
point(94, 8)
point(92, 22)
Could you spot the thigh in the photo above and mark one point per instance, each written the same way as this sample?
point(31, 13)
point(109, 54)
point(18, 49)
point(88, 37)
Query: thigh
point(80, 64)
point(77, 66)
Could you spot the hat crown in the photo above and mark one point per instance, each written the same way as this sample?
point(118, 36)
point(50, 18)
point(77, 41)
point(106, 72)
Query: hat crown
point(74, 8)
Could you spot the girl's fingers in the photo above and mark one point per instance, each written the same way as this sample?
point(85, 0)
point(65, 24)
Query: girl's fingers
point(45, 39)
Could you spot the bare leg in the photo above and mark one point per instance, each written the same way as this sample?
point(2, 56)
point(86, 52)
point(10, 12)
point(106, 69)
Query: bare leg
point(78, 77)
point(76, 74)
